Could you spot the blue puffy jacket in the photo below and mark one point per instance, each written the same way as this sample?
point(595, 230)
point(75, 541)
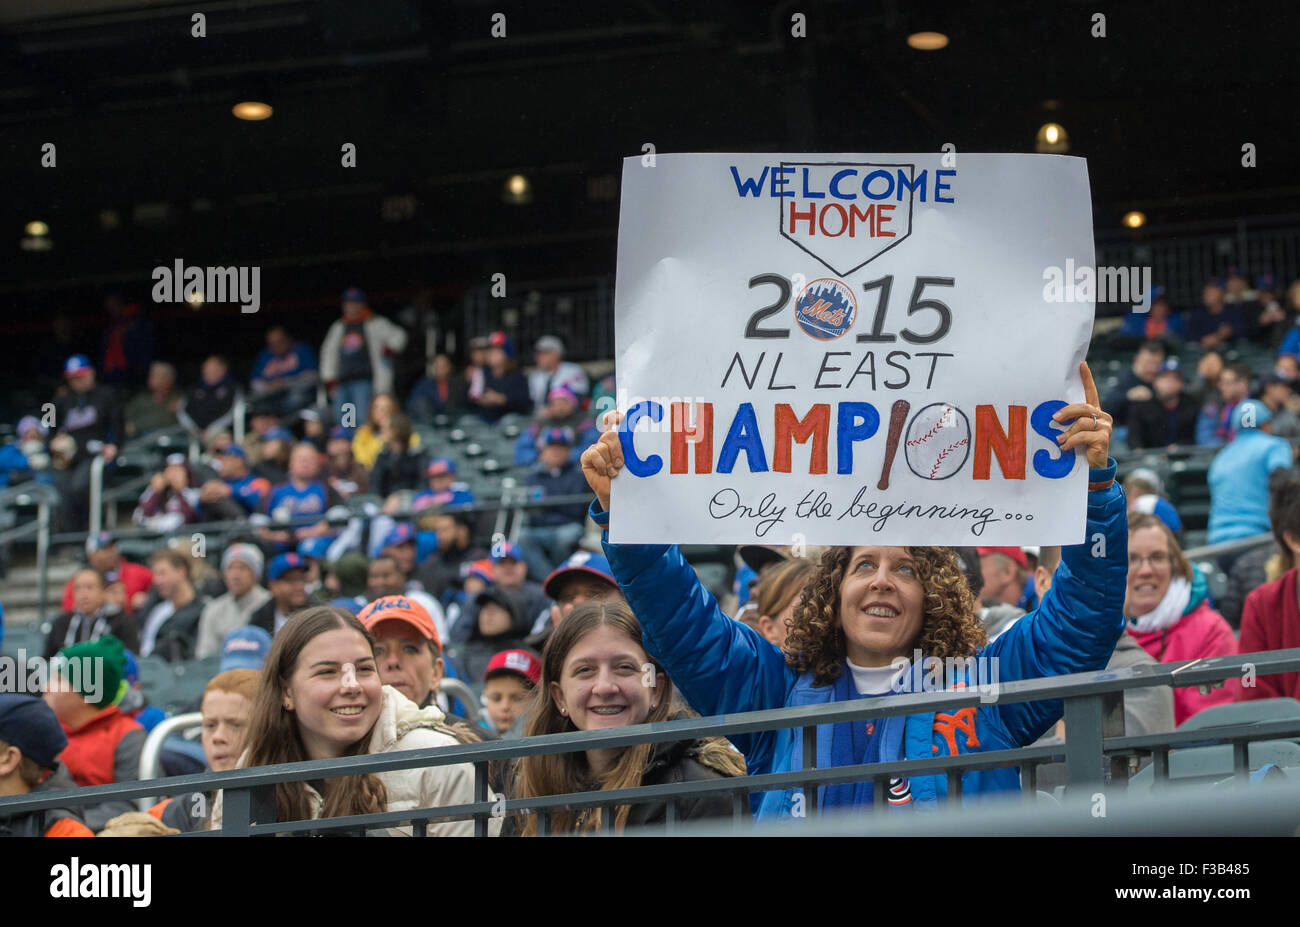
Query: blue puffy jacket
point(723, 667)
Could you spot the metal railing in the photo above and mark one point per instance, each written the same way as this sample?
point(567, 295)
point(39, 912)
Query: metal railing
point(1095, 754)
point(44, 496)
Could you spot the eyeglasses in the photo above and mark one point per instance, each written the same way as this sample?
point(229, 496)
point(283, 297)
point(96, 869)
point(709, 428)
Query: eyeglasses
point(1157, 560)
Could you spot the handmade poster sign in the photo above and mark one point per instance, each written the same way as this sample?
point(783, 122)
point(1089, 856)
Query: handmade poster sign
point(851, 349)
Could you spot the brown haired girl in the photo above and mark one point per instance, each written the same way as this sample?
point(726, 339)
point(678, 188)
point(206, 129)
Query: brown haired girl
point(775, 596)
point(320, 698)
point(865, 617)
point(596, 675)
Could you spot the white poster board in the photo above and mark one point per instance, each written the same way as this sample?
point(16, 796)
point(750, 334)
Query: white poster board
point(850, 348)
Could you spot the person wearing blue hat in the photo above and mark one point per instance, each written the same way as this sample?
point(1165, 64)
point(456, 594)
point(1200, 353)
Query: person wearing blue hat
point(31, 740)
point(504, 388)
point(1216, 322)
point(287, 576)
point(1239, 474)
point(1168, 417)
point(584, 577)
point(509, 574)
point(343, 472)
point(91, 416)
point(356, 358)
point(554, 531)
point(237, 492)
point(443, 488)
point(245, 648)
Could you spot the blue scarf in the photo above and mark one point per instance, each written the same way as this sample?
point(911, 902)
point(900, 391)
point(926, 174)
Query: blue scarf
point(879, 740)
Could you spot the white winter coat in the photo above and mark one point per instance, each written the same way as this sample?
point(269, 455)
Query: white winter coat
point(402, 725)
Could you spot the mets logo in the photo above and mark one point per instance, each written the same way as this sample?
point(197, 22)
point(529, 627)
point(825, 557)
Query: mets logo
point(825, 309)
point(900, 791)
point(846, 215)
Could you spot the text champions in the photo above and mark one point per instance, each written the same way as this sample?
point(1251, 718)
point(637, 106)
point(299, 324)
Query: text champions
point(939, 441)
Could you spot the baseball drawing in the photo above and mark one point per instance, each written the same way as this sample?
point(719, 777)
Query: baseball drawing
point(938, 441)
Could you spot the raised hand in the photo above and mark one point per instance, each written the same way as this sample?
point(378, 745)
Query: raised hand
point(1092, 427)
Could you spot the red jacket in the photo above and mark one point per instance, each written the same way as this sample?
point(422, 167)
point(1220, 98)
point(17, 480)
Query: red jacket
point(91, 753)
point(1200, 634)
point(1270, 620)
point(135, 578)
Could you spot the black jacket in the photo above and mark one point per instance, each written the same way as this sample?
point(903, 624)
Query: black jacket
point(176, 638)
point(36, 823)
point(1150, 424)
point(472, 657)
point(392, 472)
point(95, 415)
point(106, 621)
point(440, 571)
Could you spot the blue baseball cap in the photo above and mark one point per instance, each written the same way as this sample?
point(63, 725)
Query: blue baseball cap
point(440, 466)
point(29, 724)
point(98, 541)
point(503, 341)
point(77, 363)
point(315, 548)
point(401, 534)
point(1250, 413)
point(234, 450)
point(245, 648)
point(278, 434)
point(581, 562)
point(354, 294)
point(283, 564)
point(338, 431)
point(556, 436)
point(507, 550)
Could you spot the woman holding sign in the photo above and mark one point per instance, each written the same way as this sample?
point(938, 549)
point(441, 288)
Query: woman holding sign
point(870, 619)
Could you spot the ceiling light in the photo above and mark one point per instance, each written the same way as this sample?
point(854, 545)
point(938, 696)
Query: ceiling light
point(517, 190)
point(252, 111)
point(36, 228)
point(1134, 219)
point(1052, 139)
point(927, 41)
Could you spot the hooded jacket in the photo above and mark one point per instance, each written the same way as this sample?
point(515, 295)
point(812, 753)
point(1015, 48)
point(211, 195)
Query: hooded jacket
point(722, 666)
point(403, 725)
point(1200, 634)
point(472, 657)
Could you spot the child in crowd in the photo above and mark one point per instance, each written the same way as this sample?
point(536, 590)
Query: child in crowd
point(30, 743)
point(226, 707)
point(86, 683)
point(508, 685)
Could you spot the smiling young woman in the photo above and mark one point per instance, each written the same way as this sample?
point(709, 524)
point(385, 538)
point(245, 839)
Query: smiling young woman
point(596, 675)
point(320, 698)
point(865, 608)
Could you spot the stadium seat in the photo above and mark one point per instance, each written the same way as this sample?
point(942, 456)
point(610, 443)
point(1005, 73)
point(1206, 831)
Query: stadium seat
point(1207, 765)
point(1258, 711)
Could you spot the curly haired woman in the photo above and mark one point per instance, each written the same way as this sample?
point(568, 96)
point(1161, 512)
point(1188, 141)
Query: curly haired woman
point(866, 608)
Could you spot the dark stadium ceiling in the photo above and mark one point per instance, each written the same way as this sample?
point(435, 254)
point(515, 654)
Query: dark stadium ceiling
point(151, 165)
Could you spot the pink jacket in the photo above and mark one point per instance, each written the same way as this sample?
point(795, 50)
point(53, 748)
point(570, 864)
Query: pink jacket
point(1200, 634)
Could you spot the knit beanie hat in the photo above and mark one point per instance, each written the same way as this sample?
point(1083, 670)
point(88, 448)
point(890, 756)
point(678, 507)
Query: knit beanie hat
point(95, 669)
point(248, 554)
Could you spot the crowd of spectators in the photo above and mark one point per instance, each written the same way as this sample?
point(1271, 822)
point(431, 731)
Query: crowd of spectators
point(409, 589)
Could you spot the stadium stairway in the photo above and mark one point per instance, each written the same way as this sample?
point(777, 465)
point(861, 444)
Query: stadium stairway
point(19, 590)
